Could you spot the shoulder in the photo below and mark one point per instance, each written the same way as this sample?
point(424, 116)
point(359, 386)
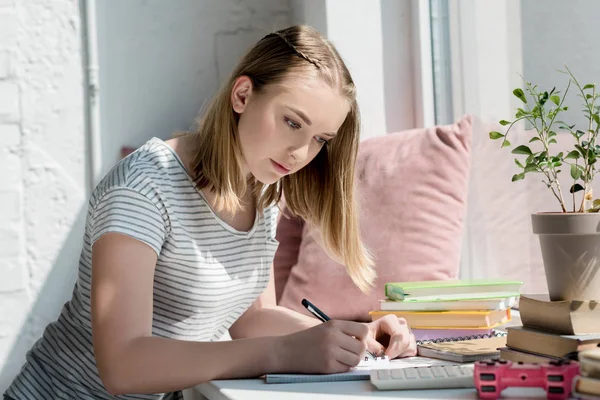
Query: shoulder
point(147, 171)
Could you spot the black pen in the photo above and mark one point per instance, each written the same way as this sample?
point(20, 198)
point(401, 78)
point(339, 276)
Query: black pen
point(314, 310)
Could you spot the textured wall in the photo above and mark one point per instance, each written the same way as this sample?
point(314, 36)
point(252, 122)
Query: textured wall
point(159, 62)
point(42, 164)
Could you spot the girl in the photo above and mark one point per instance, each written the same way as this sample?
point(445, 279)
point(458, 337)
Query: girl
point(180, 236)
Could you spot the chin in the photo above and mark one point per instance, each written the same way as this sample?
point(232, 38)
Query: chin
point(266, 179)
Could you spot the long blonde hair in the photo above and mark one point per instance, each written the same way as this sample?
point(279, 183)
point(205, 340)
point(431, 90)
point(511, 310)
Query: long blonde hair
point(323, 192)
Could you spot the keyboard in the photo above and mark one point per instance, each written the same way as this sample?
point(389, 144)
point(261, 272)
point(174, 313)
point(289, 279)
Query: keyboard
point(431, 377)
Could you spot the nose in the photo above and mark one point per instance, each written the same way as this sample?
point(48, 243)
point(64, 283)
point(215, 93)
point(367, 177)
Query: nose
point(299, 151)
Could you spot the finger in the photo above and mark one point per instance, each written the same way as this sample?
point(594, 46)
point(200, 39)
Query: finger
point(356, 329)
point(398, 344)
point(391, 324)
point(353, 345)
point(411, 350)
point(374, 346)
point(398, 331)
point(400, 340)
point(347, 358)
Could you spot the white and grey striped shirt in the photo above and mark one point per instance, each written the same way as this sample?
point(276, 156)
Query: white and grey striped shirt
point(207, 273)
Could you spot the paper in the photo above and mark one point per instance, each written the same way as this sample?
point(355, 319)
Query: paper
point(361, 372)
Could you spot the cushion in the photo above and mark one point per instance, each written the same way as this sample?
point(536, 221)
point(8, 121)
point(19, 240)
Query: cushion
point(412, 191)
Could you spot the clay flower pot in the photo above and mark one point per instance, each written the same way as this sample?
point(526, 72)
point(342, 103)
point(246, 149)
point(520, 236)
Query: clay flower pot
point(570, 244)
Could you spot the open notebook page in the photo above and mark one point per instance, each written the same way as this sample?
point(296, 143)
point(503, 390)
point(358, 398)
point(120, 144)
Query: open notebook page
point(358, 373)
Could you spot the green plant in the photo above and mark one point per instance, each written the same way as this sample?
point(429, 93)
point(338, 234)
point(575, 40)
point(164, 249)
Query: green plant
point(541, 119)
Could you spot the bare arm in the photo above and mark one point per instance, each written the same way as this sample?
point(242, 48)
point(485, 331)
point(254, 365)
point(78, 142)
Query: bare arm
point(129, 358)
point(265, 318)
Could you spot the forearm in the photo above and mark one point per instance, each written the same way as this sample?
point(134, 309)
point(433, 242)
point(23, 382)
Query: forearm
point(156, 365)
point(273, 321)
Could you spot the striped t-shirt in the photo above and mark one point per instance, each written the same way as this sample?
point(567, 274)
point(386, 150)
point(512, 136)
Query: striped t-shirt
point(207, 273)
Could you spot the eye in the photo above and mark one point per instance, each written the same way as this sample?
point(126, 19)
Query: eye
point(320, 140)
point(292, 124)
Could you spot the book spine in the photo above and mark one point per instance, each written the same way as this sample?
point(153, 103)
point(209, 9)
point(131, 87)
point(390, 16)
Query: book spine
point(393, 292)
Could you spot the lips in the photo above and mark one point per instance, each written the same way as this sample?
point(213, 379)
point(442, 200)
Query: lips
point(284, 169)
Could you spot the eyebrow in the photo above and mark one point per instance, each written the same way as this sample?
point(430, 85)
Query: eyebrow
point(307, 120)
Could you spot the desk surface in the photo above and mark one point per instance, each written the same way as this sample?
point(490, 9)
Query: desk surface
point(243, 389)
point(255, 389)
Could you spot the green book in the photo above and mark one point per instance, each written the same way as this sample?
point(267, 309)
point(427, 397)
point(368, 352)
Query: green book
point(452, 289)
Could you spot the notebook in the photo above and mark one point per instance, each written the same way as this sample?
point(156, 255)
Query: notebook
point(494, 303)
point(464, 351)
point(461, 336)
point(362, 372)
point(452, 289)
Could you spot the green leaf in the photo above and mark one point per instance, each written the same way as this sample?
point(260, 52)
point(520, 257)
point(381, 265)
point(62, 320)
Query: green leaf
point(531, 168)
point(576, 188)
point(579, 133)
point(534, 139)
point(520, 95)
point(551, 141)
point(522, 149)
point(518, 177)
point(521, 113)
point(589, 86)
point(495, 135)
point(575, 172)
point(588, 96)
point(574, 155)
point(519, 163)
point(551, 134)
point(555, 99)
point(596, 118)
point(504, 122)
point(505, 143)
point(596, 203)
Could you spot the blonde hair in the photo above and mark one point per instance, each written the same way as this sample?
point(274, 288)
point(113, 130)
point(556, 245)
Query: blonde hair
point(323, 192)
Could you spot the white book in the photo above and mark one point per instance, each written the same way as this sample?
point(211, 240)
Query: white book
point(499, 303)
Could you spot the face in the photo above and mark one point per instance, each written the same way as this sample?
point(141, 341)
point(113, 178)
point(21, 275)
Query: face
point(282, 128)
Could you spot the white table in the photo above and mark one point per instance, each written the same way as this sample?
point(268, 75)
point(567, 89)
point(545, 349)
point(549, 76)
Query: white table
point(256, 389)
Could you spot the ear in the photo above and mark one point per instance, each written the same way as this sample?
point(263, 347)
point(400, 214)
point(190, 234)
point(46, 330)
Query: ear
point(240, 93)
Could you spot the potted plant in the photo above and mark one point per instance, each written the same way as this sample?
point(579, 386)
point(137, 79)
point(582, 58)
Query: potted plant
point(570, 238)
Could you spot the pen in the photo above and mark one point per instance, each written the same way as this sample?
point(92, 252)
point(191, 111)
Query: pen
point(314, 310)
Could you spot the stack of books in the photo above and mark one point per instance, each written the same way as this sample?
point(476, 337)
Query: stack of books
point(450, 309)
point(588, 383)
point(552, 330)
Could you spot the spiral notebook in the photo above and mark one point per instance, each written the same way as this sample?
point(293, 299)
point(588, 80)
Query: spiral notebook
point(459, 338)
point(360, 373)
point(465, 350)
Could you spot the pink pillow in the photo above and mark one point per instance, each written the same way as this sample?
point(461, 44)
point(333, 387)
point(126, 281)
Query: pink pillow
point(412, 188)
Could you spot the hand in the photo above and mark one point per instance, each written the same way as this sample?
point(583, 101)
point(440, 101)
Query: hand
point(391, 335)
point(330, 347)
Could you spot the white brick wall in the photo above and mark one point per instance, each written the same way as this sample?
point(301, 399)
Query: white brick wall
point(13, 296)
point(43, 167)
